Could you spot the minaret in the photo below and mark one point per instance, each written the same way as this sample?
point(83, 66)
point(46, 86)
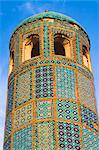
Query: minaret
point(51, 103)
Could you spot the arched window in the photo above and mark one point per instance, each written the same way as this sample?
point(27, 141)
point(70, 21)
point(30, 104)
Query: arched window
point(35, 49)
point(85, 56)
point(61, 45)
point(11, 63)
point(66, 44)
point(31, 47)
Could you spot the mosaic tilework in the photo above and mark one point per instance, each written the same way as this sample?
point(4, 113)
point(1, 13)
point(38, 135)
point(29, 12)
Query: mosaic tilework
point(54, 61)
point(89, 117)
point(45, 139)
point(46, 42)
point(90, 103)
point(23, 139)
point(67, 110)
point(10, 96)
point(68, 136)
point(65, 83)
point(86, 72)
point(78, 53)
point(68, 133)
point(7, 144)
point(85, 89)
point(23, 115)
point(23, 88)
point(16, 59)
point(48, 14)
point(8, 126)
point(90, 139)
point(44, 109)
point(44, 81)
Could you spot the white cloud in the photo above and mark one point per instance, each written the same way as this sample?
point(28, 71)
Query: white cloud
point(28, 7)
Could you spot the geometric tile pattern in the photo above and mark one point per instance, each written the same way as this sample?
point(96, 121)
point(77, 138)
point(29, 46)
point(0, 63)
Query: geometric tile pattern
point(78, 52)
point(90, 103)
point(44, 109)
point(89, 117)
point(23, 139)
point(7, 144)
point(23, 88)
point(65, 83)
point(16, 53)
point(67, 110)
point(45, 138)
point(68, 136)
point(90, 139)
point(10, 96)
point(44, 81)
point(46, 43)
point(48, 93)
point(85, 88)
point(23, 115)
point(8, 126)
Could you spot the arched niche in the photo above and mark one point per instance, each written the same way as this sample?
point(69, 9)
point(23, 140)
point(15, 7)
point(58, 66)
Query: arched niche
point(86, 57)
point(31, 47)
point(62, 45)
point(11, 63)
point(35, 49)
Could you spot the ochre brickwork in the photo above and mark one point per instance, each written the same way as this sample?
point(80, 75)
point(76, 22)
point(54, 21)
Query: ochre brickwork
point(51, 101)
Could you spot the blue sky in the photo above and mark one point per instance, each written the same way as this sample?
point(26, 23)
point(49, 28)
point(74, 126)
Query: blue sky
point(12, 12)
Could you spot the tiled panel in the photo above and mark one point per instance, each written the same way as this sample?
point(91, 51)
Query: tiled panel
point(23, 88)
point(65, 83)
point(90, 139)
point(67, 110)
point(7, 144)
point(89, 118)
point(85, 89)
point(78, 50)
point(23, 139)
point(23, 115)
point(10, 96)
point(44, 109)
point(8, 126)
point(45, 138)
point(44, 81)
point(68, 136)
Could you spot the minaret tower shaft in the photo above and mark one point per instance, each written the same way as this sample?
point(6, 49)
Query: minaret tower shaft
point(51, 103)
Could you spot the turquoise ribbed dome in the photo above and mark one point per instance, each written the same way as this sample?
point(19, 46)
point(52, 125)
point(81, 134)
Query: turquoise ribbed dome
point(49, 14)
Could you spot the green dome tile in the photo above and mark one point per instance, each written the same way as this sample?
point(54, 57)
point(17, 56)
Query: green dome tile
point(49, 14)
